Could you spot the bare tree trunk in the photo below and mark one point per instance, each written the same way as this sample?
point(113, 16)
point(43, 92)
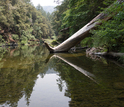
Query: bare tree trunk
point(81, 34)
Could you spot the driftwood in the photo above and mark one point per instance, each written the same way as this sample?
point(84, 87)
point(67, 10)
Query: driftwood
point(81, 34)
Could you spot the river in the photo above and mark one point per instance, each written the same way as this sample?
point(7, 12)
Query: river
point(31, 77)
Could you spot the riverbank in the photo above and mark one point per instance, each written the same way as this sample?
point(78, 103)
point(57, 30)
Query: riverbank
point(19, 44)
point(117, 56)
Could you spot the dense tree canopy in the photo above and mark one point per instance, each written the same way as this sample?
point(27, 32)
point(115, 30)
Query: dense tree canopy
point(72, 15)
point(111, 34)
point(23, 21)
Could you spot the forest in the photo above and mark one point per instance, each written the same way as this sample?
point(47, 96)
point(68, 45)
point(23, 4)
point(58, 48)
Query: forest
point(72, 15)
point(22, 23)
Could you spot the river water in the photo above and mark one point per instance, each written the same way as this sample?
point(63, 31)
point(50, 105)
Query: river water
point(31, 77)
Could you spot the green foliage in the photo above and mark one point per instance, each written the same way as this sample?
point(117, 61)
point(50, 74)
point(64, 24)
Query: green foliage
point(19, 68)
point(21, 18)
point(1, 39)
point(57, 16)
point(111, 34)
point(15, 37)
point(54, 43)
point(122, 49)
point(27, 34)
point(80, 13)
point(24, 40)
point(74, 14)
point(87, 42)
point(46, 27)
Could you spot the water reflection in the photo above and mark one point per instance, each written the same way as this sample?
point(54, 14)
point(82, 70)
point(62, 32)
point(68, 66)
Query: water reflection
point(74, 62)
point(19, 68)
point(45, 93)
point(83, 91)
point(33, 77)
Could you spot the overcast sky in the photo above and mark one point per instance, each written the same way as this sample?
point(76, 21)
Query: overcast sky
point(44, 2)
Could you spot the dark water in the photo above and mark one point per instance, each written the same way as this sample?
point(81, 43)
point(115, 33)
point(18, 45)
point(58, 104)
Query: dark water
point(31, 77)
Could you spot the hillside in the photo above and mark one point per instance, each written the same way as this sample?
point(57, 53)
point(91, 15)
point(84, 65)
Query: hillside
point(22, 25)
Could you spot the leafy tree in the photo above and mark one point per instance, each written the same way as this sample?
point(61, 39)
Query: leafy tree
point(80, 12)
point(19, 17)
point(72, 15)
point(57, 17)
point(111, 34)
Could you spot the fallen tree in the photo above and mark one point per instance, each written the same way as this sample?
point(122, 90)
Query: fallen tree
point(82, 33)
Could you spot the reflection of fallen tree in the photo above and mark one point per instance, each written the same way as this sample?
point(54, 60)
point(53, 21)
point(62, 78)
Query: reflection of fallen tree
point(113, 54)
point(72, 61)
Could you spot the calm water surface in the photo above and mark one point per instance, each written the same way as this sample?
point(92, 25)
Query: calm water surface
point(31, 77)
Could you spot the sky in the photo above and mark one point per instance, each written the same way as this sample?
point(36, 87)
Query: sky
point(44, 2)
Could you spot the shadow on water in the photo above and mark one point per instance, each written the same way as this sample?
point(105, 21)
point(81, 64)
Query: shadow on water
point(89, 83)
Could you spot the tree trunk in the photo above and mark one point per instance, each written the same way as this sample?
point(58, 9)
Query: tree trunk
point(81, 34)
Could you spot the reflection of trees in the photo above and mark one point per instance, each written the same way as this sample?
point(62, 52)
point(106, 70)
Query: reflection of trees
point(82, 90)
point(60, 84)
point(19, 72)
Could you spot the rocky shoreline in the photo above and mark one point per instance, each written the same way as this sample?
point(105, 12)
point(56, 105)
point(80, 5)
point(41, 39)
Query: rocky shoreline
point(97, 51)
point(94, 53)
